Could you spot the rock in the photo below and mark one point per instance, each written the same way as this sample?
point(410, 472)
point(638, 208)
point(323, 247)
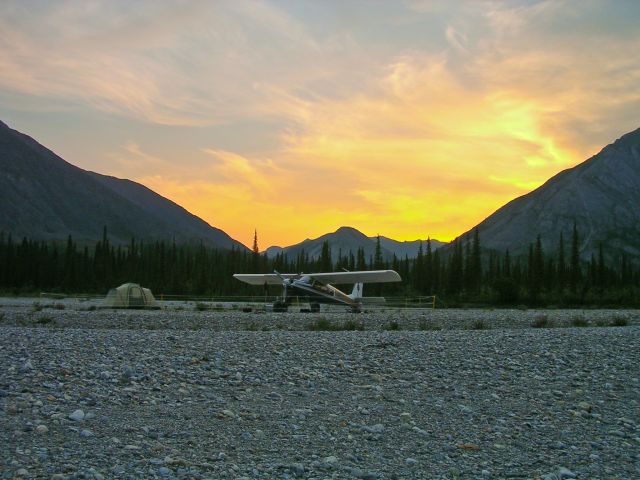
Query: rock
point(22, 472)
point(297, 469)
point(77, 415)
point(377, 428)
point(566, 473)
point(42, 429)
point(585, 406)
point(165, 472)
point(26, 367)
point(86, 433)
point(420, 431)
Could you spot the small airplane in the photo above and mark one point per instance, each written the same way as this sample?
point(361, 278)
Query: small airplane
point(317, 288)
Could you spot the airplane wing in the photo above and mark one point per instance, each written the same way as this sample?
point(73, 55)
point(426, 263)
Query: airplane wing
point(372, 276)
point(262, 278)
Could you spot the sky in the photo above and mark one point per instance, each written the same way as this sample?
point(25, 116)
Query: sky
point(409, 119)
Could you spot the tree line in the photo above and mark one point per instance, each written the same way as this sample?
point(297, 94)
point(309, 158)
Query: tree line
point(461, 274)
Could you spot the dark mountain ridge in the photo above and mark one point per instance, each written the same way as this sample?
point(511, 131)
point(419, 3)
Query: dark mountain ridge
point(347, 239)
point(44, 197)
point(600, 196)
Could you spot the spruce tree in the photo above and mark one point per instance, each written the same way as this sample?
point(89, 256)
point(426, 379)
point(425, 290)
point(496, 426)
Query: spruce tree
point(575, 273)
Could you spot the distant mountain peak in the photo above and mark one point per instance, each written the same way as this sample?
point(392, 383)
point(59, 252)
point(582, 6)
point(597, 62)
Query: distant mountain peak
point(347, 240)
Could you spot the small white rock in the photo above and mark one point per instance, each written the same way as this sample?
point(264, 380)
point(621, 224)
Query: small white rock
point(77, 416)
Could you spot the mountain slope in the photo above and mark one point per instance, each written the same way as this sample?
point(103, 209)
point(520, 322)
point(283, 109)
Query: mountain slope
point(42, 196)
point(347, 239)
point(601, 196)
point(407, 248)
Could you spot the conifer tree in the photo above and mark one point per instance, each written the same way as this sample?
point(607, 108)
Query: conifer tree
point(575, 272)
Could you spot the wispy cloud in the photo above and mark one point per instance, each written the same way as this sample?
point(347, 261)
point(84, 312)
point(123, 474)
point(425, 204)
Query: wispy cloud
point(410, 119)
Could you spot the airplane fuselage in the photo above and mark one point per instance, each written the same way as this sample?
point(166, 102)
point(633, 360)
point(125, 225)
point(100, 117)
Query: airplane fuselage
point(319, 293)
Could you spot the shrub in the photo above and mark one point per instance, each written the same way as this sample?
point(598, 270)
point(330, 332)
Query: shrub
point(322, 324)
point(252, 327)
point(423, 324)
point(92, 308)
point(579, 322)
point(619, 321)
point(478, 325)
point(201, 306)
point(37, 307)
point(352, 325)
point(393, 325)
point(44, 320)
point(541, 321)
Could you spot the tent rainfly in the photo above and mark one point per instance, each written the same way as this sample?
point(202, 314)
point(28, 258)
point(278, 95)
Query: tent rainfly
point(129, 295)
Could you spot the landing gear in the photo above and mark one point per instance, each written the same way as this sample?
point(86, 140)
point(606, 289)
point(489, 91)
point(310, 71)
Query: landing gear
point(279, 306)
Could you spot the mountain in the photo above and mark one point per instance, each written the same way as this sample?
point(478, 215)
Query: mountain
point(601, 196)
point(407, 248)
point(347, 239)
point(42, 196)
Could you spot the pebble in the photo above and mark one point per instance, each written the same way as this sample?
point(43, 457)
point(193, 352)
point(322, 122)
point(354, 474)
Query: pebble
point(77, 415)
point(180, 394)
point(165, 472)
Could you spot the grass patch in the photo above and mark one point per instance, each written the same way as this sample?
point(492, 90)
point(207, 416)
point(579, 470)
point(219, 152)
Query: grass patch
point(579, 322)
point(542, 321)
point(352, 325)
point(252, 327)
point(202, 306)
point(37, 307)
point(619, 321)
point(325, 325)
point(478, 325)
point(425, 325)
point(393, 325)
point(45, 320)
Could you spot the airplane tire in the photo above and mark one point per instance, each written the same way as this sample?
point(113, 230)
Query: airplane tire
point(279, 306)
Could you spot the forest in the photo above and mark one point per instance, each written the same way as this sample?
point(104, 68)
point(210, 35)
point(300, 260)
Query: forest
point(460, 274)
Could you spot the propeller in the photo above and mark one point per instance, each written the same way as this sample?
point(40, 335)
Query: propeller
point(285, 283)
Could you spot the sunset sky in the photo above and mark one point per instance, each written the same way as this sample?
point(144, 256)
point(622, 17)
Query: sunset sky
point(401, 118)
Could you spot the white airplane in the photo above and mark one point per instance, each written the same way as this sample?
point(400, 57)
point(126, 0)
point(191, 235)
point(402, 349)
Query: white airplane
point(316, 288)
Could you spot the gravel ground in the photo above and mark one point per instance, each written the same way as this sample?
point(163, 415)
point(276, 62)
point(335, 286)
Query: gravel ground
point(190, 394)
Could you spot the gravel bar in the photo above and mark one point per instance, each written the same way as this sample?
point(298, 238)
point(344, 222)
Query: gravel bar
point(190, 397)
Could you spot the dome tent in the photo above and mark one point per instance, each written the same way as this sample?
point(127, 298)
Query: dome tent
point(129, 295)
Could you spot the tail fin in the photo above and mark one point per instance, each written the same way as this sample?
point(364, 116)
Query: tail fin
point(357, 291)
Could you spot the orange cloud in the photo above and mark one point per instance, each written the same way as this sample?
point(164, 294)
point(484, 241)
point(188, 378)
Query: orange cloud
point(424, 133)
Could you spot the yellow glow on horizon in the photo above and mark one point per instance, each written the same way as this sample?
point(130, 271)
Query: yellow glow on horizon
point(420, 162)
